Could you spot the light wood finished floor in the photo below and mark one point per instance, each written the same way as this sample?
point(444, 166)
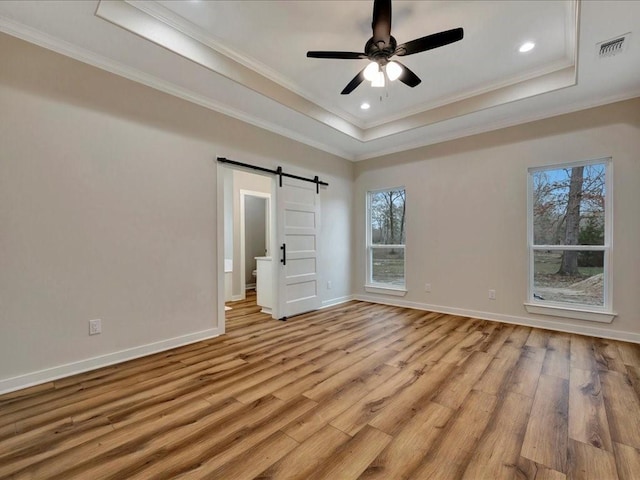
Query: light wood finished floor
point(356, 391)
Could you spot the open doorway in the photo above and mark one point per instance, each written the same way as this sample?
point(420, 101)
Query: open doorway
point(291, 277)
point(248, 227)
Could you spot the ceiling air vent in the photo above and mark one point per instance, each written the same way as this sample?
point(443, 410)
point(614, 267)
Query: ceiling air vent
point(612, 47)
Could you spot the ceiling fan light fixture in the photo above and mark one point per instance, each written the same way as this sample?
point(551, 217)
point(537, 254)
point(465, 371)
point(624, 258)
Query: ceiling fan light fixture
point(378, 81)
point(371, 72)
point(393, 71)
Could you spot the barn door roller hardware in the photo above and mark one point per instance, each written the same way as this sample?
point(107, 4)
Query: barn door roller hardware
point(277, 172)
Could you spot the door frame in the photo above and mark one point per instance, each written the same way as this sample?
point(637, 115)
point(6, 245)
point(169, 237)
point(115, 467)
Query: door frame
point(267, 221)
point(219, 264)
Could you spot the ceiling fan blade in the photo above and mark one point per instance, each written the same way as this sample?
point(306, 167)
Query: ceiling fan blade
point(381, 24)
point(351, 86)
point(338, 55)
point(430, 41)
point(408, 77)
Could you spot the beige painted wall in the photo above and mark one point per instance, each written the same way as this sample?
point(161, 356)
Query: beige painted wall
point(467, 220)
point(108, 210)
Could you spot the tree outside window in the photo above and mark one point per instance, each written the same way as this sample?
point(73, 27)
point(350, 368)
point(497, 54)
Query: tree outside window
point(386, 239)
point(569, 243)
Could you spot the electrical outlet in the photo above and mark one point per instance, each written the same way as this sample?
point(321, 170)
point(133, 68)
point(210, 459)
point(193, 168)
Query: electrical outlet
point(427, 287)
point(329, 285)
point(95, 326)
point(492, 294)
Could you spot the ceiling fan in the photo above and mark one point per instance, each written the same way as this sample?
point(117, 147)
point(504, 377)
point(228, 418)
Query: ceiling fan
point(382, 46)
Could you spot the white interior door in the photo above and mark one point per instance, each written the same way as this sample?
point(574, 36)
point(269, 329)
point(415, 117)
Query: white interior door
point(298, 228)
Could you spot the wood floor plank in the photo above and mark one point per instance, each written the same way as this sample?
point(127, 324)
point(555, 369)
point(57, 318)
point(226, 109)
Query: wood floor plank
point(207, 451)
point(311, 364)
point(424, 344)
point(353, 457)
point(545, 441)
point(358, 372)
point(538, 338)
point(356, 390)
point(355, 417)
point(270, 373)
point(590, 463)
point(623, 408)
point(633, 374)
point(453, 392)
point(497, 338)
point(403, 406)
point(499, 447)
point(250, 463)
point(587, 415)
point(582, 353)
point(629, 353)
point(462, 350)
point(451, 456)
point(330, 406)
point(106, 452)
point(310, 455)
point(627, 461)
point(556, 361)
point(499, 370)
point(309, 381)
point(607, 355)
point(518, 337)
point(530, 470)
point(524, 377)
point(410, 445)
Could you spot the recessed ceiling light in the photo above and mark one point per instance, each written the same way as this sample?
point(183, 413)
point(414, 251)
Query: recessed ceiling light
point(526, 47)
point(365, 106)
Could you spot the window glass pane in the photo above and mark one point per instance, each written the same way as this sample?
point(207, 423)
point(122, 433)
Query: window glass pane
point(387, 217)
point(568, 206)
point(387, 266)
point(585, 286)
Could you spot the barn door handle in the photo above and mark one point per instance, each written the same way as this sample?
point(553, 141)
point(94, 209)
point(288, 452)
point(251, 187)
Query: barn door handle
point(283, 260)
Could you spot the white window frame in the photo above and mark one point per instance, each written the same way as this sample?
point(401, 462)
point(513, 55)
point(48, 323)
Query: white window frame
point(376, 287)
point(604, 313)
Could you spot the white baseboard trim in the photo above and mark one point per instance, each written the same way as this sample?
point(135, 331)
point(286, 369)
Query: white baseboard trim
point(557, 326)
point(47, 375)
point(237, 298)
point(336, 301)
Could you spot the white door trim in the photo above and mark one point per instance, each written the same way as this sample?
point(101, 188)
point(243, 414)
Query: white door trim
point(243, 195)
point(220, 245)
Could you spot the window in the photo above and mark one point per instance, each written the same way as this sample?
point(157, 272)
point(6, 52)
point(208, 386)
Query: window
point(386, 240)
point(569, 238)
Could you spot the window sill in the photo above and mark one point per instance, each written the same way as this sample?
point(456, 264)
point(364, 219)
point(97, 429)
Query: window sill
point(575, 313)
point(398, 292)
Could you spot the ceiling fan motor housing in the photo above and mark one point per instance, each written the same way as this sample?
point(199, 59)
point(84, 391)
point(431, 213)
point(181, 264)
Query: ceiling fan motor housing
point(380, 52)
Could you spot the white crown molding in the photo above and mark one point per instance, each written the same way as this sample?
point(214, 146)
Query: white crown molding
point(153, 8)
point(122, 14)
point(155, 25)
point(490, 89)
point(50, 374)
point(167, 16)
point(555, 325)
point(63, 47)
point(492, 126)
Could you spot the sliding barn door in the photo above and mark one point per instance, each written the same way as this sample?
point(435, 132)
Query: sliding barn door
point(298, 229)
